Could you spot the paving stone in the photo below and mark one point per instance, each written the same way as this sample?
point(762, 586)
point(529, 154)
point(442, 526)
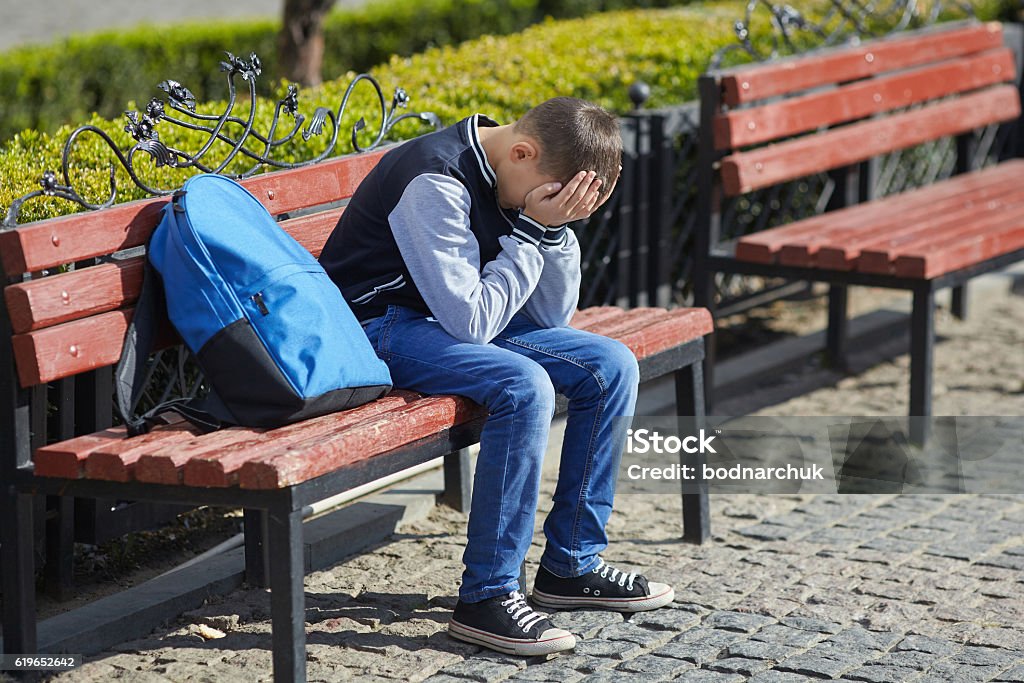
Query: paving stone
point(1011, 639)
point(704, 676)
point(951, 672)
point(619, 649)
point(770, 532)
point(702, 649)
point(777, 677)
point(1014, 675)
point(882, 674)
point(666, 619)
point(755, 649)
point(656, 666)
point(780, 635)
point(740, 665)
point(839, 536)
point(813, 663)
point(936, 646)
point(554, 674)
point(585, 623)
point(895, 546)
point(737, 621)
point(908, 659)
point(1014, 562)
point(478, 669)
point(563, 667)
point(644, 637)
point(444, 678)
point(983, 656)
point(859, 639)
point(618, 676)
point(809, 624)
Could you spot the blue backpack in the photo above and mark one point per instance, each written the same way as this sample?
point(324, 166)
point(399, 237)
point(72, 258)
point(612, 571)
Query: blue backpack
point(275, 339)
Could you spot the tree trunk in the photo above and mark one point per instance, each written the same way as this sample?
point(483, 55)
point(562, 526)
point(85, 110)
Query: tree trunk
point(302, 40)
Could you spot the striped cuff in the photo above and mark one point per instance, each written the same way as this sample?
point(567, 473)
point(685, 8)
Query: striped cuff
point(527, 230)
point(555, 237)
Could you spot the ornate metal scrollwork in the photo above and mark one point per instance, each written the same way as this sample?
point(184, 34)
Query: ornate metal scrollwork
point(846, 21)
point(179, 109)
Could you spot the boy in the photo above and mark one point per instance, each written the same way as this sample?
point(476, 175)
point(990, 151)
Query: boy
point(455, 256)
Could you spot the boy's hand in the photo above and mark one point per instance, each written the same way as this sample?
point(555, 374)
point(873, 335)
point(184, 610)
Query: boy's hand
point(552, 205)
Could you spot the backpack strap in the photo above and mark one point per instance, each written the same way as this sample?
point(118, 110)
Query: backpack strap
point(130, 375)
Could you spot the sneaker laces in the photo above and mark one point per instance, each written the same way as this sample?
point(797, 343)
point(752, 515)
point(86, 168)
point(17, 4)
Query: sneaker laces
point(623, 579)
point(524, 615)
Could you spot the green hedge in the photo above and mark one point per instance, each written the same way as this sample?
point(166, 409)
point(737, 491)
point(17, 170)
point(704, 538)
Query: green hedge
point(500, 76)
point(45, 87)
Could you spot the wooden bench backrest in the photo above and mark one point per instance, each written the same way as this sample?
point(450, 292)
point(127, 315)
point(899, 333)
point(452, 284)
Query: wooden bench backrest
point(74, 322)
point(842, 106)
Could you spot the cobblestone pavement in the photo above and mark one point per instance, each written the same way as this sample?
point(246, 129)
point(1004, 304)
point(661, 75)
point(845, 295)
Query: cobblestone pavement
point(872, 588)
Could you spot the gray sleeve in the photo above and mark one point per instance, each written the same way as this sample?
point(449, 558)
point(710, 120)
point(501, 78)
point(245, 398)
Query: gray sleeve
point(557, 295)
point(431, 227)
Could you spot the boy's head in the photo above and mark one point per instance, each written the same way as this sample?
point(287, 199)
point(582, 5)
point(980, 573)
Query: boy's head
point(556, 140)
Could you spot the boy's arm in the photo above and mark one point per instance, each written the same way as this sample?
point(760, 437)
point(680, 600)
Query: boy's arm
point(431, 227)
point(557, 295)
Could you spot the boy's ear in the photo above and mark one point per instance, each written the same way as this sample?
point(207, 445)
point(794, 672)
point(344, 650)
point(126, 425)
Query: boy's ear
point(523, 150)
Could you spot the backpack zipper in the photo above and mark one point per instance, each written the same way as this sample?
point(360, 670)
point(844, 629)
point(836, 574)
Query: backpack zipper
point(257, 299)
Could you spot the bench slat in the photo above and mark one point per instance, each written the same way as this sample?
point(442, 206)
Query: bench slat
point(68, 239)
point(166, 465)
point(116, 461)
point(844, 254)
point(586, 317)
point(882, 259)
point(106, 287)
point(66, 459)
point(950, 256)
point(764, 246)
point(836, 246)
point(746, 171)
point(78, 346)
point(70, 348)
point(306, 460)
point(683, 324)
point(858, 100)
point(220, 467)
point(634, 319)
point(748, 84)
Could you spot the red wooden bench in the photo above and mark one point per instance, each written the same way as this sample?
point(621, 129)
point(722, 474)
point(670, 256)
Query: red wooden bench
point(834, 110)
point(57, 326)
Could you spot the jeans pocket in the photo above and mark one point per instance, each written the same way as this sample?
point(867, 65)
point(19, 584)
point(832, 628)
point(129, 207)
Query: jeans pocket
point(383, 342)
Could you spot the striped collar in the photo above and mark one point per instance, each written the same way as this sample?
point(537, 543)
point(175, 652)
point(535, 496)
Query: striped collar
point(473, 123)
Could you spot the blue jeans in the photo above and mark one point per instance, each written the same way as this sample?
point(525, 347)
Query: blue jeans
point(515, 377)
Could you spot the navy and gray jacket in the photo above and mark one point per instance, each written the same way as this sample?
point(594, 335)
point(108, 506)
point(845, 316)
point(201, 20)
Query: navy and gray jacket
point(424, 230)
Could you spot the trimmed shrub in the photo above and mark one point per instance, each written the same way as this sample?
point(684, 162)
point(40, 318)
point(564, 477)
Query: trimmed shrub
point(65, 82)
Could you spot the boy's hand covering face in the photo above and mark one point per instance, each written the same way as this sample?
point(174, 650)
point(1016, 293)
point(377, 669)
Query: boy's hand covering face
point(551, 204)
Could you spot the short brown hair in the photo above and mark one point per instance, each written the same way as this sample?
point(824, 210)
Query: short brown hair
point(574, 135)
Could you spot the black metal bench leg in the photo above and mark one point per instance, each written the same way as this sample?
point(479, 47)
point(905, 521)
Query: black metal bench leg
point(922, 348)
point(458, 484)
point(690, 401)
point(287, 595)
point(18, 568)
point(959, 303)
point(60, 547)
point(838, 326)
point(254, 525)
point(522, 578)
